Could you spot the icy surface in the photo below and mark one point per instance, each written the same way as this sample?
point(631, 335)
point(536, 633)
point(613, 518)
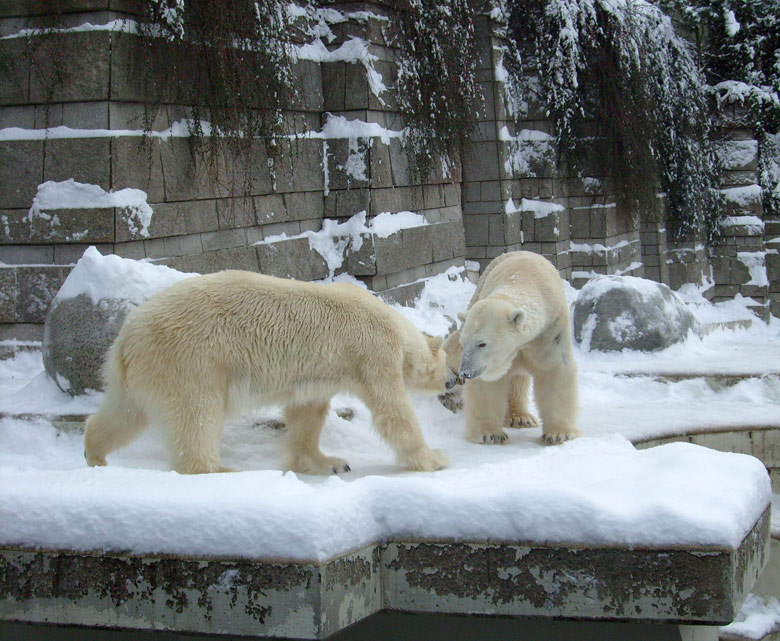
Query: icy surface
point(596, 490)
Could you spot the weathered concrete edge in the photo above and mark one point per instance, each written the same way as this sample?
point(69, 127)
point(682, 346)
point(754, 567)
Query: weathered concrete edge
point(705, 586)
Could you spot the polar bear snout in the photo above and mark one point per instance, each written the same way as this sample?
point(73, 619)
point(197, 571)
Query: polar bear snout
point(469, 369)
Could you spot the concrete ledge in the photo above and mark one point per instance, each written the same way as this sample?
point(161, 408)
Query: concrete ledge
point(702, 586)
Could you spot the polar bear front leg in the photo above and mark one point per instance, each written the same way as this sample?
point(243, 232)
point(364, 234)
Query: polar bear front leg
point(304, 425)
point(519, 415)
point(558, 401)
point(486, 406)
point(396, 422)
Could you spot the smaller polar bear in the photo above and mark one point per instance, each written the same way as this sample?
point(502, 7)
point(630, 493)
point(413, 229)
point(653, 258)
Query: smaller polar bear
point(210, 346)
point(517, 328)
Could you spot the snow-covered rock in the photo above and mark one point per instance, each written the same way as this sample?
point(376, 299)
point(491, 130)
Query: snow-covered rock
point(88, 310)
point(613, 313)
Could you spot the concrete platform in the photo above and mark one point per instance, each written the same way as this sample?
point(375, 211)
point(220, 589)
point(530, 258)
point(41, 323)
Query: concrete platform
point(274, 598)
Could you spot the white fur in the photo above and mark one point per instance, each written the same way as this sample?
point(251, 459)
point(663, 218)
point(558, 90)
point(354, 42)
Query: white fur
point(210, 346)
point(517, 328)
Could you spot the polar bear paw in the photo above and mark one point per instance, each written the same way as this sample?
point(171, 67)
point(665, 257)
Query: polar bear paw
point(523, 420)
point(426, 460)
point(318, 464)
point(489, 438)
point(556, 438)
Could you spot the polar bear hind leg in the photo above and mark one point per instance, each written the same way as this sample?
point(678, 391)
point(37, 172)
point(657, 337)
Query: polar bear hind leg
point(304, 425)
point(519, 415)
point(116, 423)
point(556, 397)
point(486, 405)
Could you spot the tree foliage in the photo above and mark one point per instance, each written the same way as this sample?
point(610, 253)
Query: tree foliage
point(740, 49)
point(617, 71)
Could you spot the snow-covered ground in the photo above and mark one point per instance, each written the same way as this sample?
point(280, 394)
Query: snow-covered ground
point(597, 489)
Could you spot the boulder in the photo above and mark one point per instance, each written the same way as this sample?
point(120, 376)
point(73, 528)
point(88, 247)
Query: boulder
point(88, 311)
point(624, 312)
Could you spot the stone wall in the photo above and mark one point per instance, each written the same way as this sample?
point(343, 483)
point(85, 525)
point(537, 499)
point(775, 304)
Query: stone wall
point(507, 192)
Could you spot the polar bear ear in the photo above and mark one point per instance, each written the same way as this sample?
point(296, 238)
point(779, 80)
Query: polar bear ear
point(435, 342)
point(462, 316)
point(517, 317)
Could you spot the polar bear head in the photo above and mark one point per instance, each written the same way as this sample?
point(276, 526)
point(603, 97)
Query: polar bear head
point(427, 372)
point(491, 336)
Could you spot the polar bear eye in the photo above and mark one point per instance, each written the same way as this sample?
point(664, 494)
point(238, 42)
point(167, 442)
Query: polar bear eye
point(482, 345)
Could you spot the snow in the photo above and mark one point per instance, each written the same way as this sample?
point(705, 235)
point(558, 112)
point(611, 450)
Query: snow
point(540, 208)
point(70, 194)
point(111, 276)
point(675, 494)
point(758, 618)
point(334, 238)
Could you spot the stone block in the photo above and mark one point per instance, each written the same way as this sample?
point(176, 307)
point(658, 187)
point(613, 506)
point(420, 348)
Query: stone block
point(233, 213)
point(37, 286)
point(224, 239)
point(292, 258)
point(70, 254)
point(27, 254)
point(14, 81)
point(348, 163)
point(182, 245)
point(308, 83)
point(8, 294)
point(269, 209)
point(344, 203)
point(71, 67)
point(85, 115)
point(381, 171)
point(187, 175)
point(137, 163)
point(86, 160)
point(356, 90)
point(476, 229)
point(171, 219)
point(72, 225)
point(300, 168)
point(134, 249)
point(362, 261)
point(481, 162)
point(22, 163)
point(306, 205)
point(448, 241)
point(399, 164)
point(333, 83)
point(404, 249)
point(214, 261)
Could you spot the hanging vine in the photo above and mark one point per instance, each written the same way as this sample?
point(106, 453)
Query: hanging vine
point(229, 62)
point(436, 86)
point(618, 82)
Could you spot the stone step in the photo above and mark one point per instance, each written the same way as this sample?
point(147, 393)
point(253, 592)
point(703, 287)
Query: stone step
point(693, 586)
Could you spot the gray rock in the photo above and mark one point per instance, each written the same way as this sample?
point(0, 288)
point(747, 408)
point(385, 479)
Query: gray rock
point(76, 337)
point(623, 312)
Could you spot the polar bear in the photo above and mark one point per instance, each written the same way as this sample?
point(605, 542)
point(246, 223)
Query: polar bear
point(516, 328)
point(210, 346)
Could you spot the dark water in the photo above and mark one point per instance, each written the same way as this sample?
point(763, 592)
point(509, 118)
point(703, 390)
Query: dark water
point(389, 627)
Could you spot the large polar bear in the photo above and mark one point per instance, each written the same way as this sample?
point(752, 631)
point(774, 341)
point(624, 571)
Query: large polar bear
point(517, 328)
point(213, 345)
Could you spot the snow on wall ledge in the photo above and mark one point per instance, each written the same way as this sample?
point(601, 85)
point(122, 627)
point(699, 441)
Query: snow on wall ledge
point(592, 492)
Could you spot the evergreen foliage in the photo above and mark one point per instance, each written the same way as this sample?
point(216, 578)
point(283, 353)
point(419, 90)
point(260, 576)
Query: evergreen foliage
point(741, 56)
point(616, 70)
point(436, 86)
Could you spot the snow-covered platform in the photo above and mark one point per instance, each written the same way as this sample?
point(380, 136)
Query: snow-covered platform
point(699, 585)
point(593, 529)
